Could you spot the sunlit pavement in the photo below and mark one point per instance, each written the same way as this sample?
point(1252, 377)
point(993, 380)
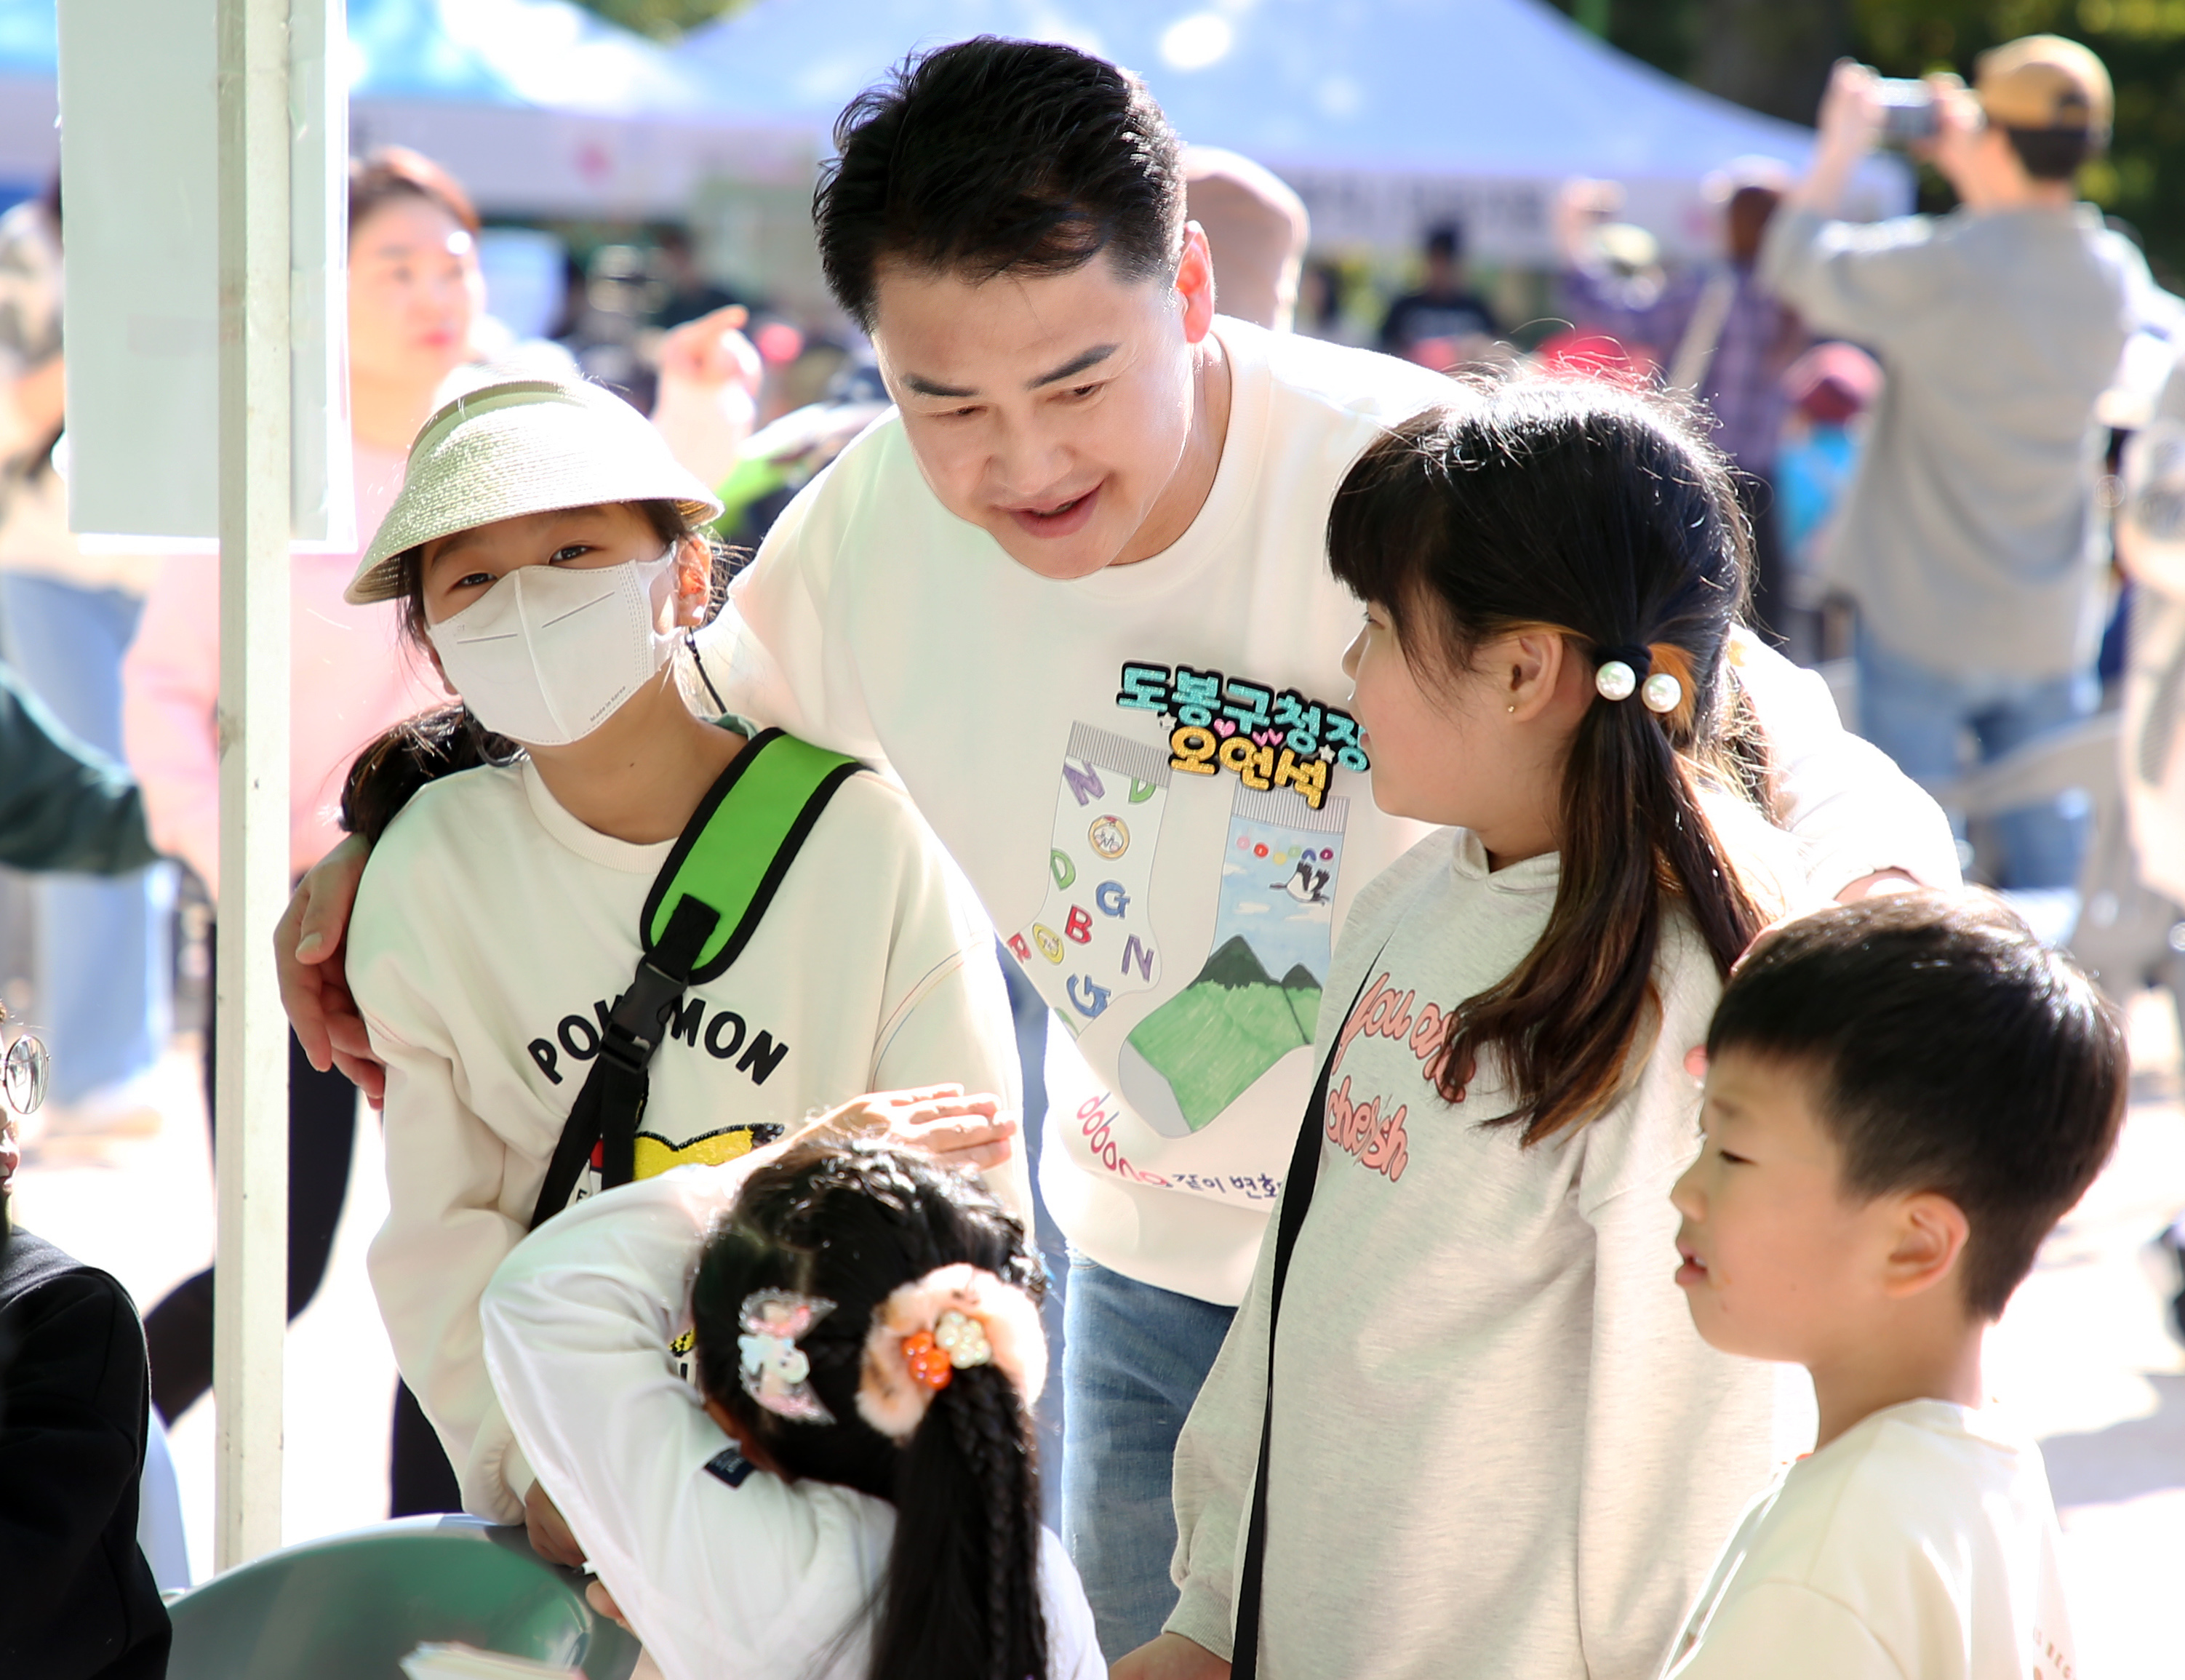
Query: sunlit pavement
point(2083, 1357)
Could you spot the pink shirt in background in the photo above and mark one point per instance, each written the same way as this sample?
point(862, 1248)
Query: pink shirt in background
point(352, 678)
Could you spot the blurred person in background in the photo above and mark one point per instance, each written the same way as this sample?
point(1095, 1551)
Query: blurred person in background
point(1715, 330)
point(414, 296)
point(1445, 321)
point(691, 292)
point(1971, 540)
point(1256, 230)
point(2150, 548)
point(1832, 389)
point(104, 981)
point(77, 1598)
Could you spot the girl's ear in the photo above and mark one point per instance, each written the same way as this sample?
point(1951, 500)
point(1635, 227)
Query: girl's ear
point(438, 669)
point(694, 581)
point(1530, 667)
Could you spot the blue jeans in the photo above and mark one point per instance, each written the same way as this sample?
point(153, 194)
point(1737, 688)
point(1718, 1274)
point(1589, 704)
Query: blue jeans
point(1920, 717)
point(104, 979)
point(1030, 1010)
point(1133, 1361)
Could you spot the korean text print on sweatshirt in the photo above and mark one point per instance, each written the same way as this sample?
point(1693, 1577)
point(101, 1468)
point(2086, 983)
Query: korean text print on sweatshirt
point(1499, 1447)
point(1151, 777)
point(492, 934)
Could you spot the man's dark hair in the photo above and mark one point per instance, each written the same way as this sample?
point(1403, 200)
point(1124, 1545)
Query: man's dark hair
point(2051, 153)
point(995, 155)
point(1445, 239)
point(1952, 1052)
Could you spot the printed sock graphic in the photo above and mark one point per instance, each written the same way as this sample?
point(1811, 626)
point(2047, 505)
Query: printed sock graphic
point(1092, 938)
point(1258, 995)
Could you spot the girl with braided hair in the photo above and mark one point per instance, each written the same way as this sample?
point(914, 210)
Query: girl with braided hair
point(850, 1490)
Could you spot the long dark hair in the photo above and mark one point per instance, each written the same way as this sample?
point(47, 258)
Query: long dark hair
point(852, 1224)
point(438, 742)
point(1596, 513)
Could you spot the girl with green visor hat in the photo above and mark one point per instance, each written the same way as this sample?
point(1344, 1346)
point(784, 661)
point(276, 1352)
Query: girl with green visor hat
point(625, 936)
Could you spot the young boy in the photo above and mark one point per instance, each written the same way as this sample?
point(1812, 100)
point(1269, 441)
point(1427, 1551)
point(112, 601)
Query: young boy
point(1903, 1096)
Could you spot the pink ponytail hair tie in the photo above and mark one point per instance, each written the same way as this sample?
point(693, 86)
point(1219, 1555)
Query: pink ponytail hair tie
point(953, 1319)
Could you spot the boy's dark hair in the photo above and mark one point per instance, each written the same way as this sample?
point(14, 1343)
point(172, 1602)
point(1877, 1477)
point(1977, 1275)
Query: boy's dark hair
point(993, 155)
point(1595, 513)
point(2052, 153)
point(1952, 1052)
point(852, 1224)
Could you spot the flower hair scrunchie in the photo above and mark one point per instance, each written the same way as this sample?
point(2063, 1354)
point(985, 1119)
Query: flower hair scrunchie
point(952, 1318)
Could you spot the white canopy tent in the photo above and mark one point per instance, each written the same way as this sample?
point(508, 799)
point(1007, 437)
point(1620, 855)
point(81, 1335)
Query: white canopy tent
point(1386, 115)
point(537, 106)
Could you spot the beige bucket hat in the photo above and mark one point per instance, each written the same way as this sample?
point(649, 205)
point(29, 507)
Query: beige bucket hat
point(523, 446)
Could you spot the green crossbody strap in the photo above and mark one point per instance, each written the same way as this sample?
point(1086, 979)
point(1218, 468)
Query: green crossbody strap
point(706, 902)
point(736, 850)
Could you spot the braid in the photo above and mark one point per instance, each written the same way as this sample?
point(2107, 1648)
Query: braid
point(961, 1599)
point(986, 1419)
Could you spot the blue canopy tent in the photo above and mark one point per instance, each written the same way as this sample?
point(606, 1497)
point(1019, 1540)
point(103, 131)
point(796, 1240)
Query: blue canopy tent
point(1385, 114)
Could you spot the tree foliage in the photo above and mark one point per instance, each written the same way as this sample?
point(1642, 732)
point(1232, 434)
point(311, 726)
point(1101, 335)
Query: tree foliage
point(662, 19)
point(1773, 56)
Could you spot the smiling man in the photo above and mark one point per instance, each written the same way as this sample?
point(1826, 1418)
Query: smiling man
point(1074, 591)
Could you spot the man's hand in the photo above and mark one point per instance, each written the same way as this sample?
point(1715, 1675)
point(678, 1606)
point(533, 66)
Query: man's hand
point(1956, 148)
point(550, 1535)
point(1170, 1657)
point(309, 945)
point(969, 1133)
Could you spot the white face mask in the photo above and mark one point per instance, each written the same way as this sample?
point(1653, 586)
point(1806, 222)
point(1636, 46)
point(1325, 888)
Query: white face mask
point(549, 653)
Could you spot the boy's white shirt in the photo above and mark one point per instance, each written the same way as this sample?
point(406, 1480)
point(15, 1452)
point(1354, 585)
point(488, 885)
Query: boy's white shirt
point(493, 931)
point(1499, 1447)
point(758, 1578)
point(1920, 1544)
point(1159, 910)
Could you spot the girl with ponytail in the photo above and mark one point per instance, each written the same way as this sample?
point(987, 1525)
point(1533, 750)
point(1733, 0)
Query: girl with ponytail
point(1493, 1446)
point(850, 1490)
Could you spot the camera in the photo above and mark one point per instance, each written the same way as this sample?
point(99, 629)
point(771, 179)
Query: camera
point(1908, 110)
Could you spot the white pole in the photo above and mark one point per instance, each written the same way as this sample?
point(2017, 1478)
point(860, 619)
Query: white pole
point(251, 1103)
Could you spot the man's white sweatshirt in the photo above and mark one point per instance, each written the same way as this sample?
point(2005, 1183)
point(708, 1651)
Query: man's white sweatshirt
point(494, 931)
point(1150, 777)
point(1499, 1447)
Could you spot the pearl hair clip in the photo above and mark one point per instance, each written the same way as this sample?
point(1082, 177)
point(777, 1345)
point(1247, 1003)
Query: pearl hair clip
point(1615, 680)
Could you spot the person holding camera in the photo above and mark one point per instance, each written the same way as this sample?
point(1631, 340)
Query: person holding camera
point(1970, 540)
